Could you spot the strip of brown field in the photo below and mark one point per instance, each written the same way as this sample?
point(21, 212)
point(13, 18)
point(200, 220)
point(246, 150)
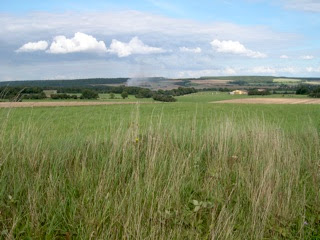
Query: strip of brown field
point(272, 101)
point(56, 104)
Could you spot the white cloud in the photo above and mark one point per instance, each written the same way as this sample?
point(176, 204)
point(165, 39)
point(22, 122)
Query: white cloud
point(33, 46)
point(81, 42)
point(313, 70)
point(263, 69)
point(190, 50)
point(284, 57)
point(235, 47)
point(303, 5)
point(135, 46)
point(307, 57)
point(207, 72)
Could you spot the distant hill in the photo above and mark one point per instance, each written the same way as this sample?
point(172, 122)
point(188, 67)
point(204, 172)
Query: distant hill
point(231, 82)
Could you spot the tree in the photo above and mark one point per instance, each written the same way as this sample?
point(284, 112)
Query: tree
point(112, 96)
point(89, 94)
point(124, 94)
point(315, 93)
point(144, 93)
point(303, 90)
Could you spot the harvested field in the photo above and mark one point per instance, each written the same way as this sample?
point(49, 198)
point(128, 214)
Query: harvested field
point(272, 101)
point(212, 81)
point(56, 104)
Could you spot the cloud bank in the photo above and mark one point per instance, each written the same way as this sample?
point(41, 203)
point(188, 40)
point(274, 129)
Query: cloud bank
point(235, 47)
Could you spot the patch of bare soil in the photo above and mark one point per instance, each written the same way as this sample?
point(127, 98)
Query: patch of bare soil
point(56, 104)
point(272, 101)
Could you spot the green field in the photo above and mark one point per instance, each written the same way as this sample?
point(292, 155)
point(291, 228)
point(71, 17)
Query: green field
point(184, 170)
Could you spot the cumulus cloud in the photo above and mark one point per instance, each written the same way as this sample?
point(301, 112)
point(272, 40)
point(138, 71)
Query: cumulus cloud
point(307, 57)
point(81, 42)
point(190, 50)
point(235, 47)
point(284, 57)
point(33, 46)
point(272, 70)
point(135, 46)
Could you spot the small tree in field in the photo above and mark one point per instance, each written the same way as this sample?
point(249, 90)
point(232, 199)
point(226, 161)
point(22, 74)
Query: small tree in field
point(124, 95)
point(89, 94)
point(112, 96)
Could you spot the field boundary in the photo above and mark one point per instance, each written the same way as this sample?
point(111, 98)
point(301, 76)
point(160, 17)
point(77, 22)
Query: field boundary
point(59, 104)
point(271, 101)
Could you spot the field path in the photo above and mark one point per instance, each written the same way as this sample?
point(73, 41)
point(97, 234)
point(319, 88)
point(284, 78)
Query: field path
point(272, 101)
point(57, 104)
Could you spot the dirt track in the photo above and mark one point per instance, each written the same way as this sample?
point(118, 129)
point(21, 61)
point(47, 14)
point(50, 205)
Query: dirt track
point(56, 104)
point(272, 101)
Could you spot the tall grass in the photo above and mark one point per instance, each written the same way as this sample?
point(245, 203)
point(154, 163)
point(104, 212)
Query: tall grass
point(222, 178)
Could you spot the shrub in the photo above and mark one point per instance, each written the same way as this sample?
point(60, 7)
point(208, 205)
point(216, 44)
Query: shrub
point(163, 98)
point(112, 96)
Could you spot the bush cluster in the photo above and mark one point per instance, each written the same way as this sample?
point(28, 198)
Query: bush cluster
point(163, 98)
point(63, 96)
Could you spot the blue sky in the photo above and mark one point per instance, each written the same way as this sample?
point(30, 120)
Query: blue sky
point(125, 38)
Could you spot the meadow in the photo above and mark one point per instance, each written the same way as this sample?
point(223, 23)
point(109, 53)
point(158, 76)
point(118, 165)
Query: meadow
point(184, 170)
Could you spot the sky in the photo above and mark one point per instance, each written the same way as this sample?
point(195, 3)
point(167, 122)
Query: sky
point(68, 39)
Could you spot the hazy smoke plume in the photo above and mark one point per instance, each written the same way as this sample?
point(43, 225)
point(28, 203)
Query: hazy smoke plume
point(138, 81)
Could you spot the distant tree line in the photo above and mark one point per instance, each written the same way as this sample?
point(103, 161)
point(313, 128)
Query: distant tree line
point(84, 83)
point(18, 93)
point(34, 96)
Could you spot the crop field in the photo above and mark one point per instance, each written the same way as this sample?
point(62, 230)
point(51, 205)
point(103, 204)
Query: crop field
point(287, 80)
point(313, 82)
point(184, 170)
